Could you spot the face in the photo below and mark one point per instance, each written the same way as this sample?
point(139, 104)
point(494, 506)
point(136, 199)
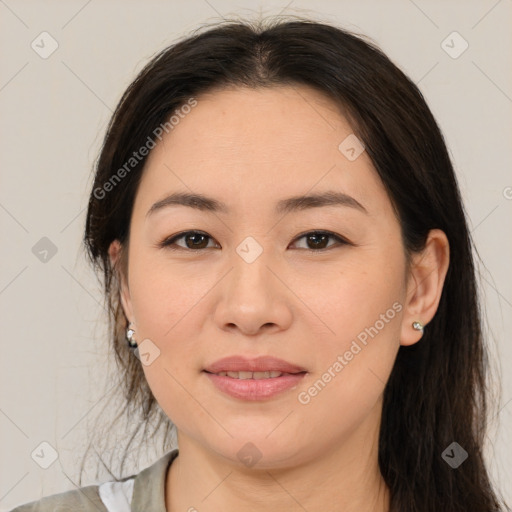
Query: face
point(320, 286)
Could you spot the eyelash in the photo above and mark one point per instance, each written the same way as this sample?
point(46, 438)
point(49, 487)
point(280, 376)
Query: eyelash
point(167, 243)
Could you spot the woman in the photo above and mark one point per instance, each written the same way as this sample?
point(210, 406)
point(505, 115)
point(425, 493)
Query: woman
point(286, 255)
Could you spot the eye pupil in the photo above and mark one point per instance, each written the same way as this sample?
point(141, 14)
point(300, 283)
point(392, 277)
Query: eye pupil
point(196, 245)
point(317, 235)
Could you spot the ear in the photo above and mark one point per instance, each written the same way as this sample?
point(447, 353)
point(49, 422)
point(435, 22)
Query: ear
point(114, 252)
point(425, 285)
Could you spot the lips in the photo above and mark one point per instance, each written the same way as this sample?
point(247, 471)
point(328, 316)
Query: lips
point(259, 378)
point(258, 365)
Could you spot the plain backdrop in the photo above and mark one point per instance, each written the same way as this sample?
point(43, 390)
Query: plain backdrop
point(54, 111)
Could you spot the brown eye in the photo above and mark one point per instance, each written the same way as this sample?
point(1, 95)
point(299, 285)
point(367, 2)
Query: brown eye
point(194, 240)
point(319, 240)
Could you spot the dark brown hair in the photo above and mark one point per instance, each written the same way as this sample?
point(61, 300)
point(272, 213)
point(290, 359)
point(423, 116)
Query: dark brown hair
point(438, 391)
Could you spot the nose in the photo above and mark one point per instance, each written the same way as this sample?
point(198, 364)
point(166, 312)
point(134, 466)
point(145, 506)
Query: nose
point(254, 298)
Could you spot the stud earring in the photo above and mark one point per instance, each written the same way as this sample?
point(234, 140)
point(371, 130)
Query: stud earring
point(418, 326)
point(130, 336)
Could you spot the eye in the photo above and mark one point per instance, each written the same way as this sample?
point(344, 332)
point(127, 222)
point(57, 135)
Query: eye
point(316, 240)
point(194, 240)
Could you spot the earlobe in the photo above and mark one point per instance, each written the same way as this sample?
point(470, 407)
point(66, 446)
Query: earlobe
point(114, 252)
point(425, 286)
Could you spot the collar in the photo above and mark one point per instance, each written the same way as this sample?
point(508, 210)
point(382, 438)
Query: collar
point(149, 485)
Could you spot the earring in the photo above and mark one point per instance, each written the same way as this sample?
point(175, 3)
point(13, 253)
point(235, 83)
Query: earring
point(130, 336)
point(418, 326)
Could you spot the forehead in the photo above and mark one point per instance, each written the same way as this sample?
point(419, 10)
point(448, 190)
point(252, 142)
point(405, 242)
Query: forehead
point(259, 125)
point(244, 144)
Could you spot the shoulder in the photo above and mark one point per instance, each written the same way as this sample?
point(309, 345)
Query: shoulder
point(84, 499)
point(144, 491)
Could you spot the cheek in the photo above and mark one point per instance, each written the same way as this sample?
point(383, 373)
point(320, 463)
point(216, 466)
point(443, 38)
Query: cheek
point(361, 308)
point(359, 294)
point(169, 311)
point(163, 293)
point(353, 366)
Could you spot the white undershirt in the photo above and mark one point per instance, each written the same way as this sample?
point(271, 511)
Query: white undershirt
point(117, 496)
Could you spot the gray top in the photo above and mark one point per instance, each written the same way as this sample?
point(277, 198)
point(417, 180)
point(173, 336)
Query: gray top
point(148, 494)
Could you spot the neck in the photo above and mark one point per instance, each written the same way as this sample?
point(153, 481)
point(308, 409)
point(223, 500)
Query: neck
point(345, 478)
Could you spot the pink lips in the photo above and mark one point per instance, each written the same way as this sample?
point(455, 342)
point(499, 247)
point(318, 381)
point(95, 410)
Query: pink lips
point(257, 364)
point(254, 389)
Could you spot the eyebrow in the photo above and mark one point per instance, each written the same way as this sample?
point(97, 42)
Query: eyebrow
point(291, 204)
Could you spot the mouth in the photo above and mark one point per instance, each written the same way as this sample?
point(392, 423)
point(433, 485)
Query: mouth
point(254, 378)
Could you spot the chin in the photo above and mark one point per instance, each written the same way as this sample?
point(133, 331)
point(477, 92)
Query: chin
point(258, 452)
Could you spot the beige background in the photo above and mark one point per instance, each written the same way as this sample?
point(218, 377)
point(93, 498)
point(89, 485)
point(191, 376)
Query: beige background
point(53, 115)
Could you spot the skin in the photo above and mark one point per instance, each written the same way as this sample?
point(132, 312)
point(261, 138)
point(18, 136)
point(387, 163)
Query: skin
point(250, 148)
